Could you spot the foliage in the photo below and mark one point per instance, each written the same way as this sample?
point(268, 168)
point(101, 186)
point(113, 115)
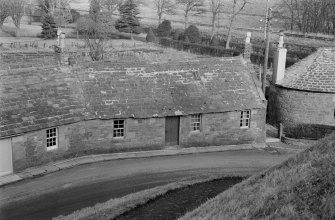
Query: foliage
point(216, 7)
point(164, 7)
point(16, 12)
point(236, 9)
point(96, 29)
point(315, 16)
point(198, 48)
point(313, 131)
point(4, 11)
point(138, 30)
point(128, 20)
point(193, 34)
point(111, 5)
point(49, 29)
point(194, 7)
point(177, 34)
point(214, 41)
point(300, 188)
point(164, 29)
point(75, 15)
point(150, 36)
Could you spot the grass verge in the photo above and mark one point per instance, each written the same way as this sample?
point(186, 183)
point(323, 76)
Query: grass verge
point(118, 206)
point(303, 187)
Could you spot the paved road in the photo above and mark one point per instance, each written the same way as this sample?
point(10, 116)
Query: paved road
point(68, 190)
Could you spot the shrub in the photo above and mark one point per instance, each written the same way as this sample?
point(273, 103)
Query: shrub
point(138, 30)
point(49, 30)
point(128, 17)
point(164, 29)
point(177, 34)
point(193, 34)
point(214, 41)
point(150, 36)
point(75, 15)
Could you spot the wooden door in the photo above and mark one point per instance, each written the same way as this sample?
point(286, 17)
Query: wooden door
point(172, 131)
point(6, 164)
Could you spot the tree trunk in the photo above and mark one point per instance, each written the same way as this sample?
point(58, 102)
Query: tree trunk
point(159, 19)
point(229, 32)
point(17, 32)
point(186, 20)
point(213, 25)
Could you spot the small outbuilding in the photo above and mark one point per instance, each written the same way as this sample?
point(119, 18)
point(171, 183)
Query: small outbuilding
point(302, 97)
point(54, 112)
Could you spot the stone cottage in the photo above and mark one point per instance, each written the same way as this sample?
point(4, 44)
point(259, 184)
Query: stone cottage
point(302, 97)
point(55, 112)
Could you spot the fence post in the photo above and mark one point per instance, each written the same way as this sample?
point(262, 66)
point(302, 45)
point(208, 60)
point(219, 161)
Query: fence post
point(280, 131)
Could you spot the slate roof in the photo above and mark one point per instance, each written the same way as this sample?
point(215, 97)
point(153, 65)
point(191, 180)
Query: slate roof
point(314, 73)
point(38, 98)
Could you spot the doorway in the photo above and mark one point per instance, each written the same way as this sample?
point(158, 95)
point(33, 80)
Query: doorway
point(172, 131)
point(6, 162)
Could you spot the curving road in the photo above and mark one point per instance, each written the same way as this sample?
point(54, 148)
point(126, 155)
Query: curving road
point(68, 190)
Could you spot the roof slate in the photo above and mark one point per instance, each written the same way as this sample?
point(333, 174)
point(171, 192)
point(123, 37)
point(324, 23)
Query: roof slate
point(38, 98)
point(314, 73)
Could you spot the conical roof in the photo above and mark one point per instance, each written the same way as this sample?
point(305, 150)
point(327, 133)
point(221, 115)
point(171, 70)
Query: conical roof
point(313, 73)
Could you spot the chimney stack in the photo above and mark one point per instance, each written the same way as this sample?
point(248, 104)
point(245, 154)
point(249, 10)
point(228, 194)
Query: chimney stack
point(279, 61)
point(247, 47)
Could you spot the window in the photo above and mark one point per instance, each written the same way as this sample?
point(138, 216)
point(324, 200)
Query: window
point(196, 122)
point(118, 129)
point(51, 138)
point(245, 119)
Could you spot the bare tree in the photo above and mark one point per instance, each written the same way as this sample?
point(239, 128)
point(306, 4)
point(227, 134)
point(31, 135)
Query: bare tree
point(16, 11)
point(111, 5)
point(96, 28)
point(237, 7)
point(4, 11)
point(164, 7)
point(191, 6)
point(216, 6)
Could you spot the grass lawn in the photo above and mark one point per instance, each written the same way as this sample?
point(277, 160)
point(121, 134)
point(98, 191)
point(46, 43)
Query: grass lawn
point(116, 207)
point(303, 187)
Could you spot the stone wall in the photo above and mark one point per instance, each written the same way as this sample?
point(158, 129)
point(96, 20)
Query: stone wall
point(96, 136)
point(223, 129)
point(294, 107)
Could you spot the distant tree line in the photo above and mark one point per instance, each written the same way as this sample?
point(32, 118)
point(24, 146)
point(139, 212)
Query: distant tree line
point(316, 16)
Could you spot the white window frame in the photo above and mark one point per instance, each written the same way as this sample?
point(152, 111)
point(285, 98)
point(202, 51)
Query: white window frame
point(196, 122)
point(51, 138)
point(119, 132)
point(245, 119)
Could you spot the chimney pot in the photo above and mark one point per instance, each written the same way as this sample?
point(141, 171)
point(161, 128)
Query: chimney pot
point(279, 61)
point(247, 47)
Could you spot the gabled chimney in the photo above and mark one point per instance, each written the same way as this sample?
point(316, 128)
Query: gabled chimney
point(247, 47)
point(279, 61)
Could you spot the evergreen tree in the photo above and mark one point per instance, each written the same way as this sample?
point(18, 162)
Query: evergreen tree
point(49, 29)
point(150, 36)
point(193, 34)
point(164, 29)
point(128, 20)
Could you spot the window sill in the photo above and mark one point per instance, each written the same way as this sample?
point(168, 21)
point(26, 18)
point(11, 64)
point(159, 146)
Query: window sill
point(245, 127)
point(52, 148)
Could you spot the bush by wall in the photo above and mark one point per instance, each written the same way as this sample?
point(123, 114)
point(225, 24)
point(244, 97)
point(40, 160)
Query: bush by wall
point(193, 34)
point(198, 48)
point(150, 36)
point(309, 131)
point(164, 29)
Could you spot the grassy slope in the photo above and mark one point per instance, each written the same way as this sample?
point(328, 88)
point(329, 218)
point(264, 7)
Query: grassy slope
point(147, 10)
point(301, 188)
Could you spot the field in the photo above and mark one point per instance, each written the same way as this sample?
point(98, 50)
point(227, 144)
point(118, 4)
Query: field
point(300, 188)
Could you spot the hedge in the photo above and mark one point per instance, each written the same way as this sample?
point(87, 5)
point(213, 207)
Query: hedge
point(310, 131)
point(198, 48)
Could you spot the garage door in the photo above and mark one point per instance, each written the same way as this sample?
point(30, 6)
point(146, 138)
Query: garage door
point(6, 164)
